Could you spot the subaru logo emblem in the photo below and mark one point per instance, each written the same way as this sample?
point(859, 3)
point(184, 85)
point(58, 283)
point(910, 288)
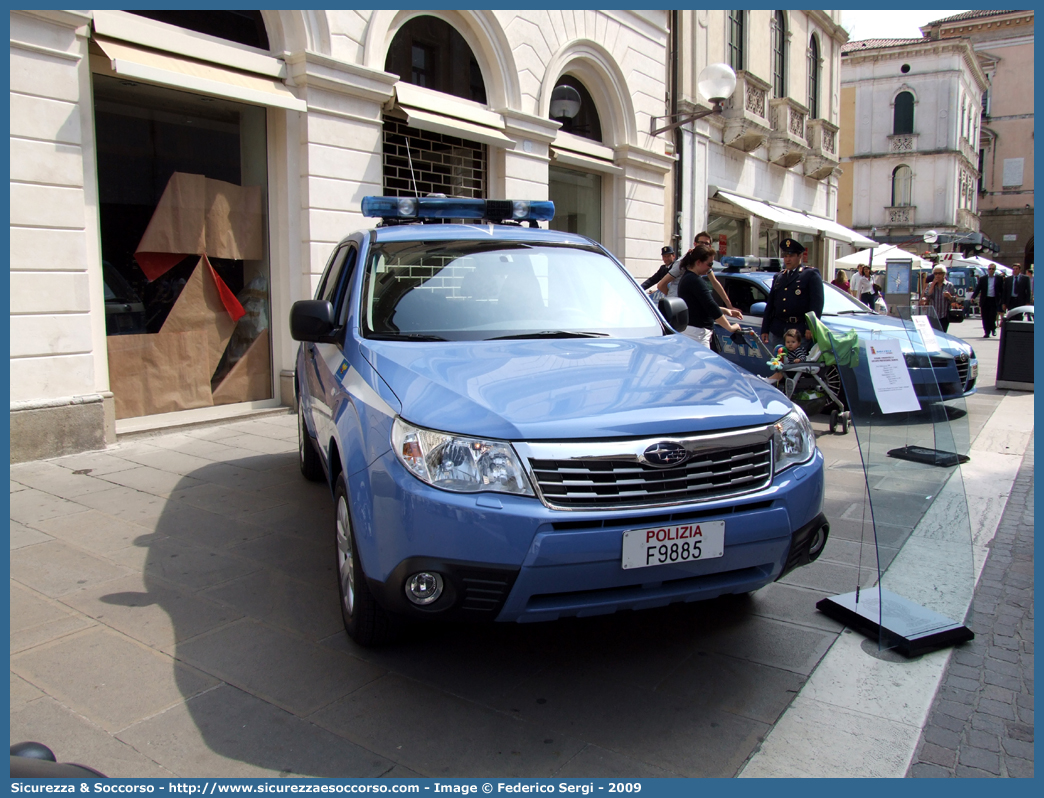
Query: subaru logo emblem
point(664, 454)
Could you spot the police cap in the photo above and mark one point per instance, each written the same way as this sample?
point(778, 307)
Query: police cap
point(791, 247)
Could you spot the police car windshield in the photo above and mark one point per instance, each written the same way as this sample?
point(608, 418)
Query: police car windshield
point(481, 290)
point(837, 303)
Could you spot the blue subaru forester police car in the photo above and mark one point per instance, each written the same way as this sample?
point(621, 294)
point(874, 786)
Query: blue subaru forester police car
point(512, 431)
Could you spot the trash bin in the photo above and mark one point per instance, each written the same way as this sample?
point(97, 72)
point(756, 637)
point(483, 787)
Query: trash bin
point(1015, 359)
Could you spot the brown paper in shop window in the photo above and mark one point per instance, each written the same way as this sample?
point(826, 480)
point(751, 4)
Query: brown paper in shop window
point(249, 380)
point(199, 307)
point(161, 373)
point(198, 215)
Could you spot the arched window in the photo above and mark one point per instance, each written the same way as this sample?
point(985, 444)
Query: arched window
point(902, 120)
point(779, 55)
point(902, 186)
point(242, 27)
point(736, 33)
point(579, 120)
point(429, 52)
point(813, 77)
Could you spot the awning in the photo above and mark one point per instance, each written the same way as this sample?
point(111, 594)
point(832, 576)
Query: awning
point(182, 73)
point(783, 218)
point(839, 232)
point(586, 162)
point(448, 126)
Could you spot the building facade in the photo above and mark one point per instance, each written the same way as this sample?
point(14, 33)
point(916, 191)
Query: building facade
point(767, 166)
point(910, 133)
point(179, 179)
point(1003, 41)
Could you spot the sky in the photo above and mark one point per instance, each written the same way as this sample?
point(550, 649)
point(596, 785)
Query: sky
point(889, 24)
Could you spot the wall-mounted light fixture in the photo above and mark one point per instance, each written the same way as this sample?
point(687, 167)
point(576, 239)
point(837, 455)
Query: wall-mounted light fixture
point(717, 83)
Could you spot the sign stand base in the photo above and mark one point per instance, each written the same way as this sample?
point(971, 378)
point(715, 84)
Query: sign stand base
point(909, 628)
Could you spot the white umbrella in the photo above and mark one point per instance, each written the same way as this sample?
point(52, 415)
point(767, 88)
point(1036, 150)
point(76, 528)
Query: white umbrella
point(984, 262)
point(881, 255)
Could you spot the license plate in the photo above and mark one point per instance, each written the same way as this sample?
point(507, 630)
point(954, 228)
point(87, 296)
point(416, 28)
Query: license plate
point(666, 545)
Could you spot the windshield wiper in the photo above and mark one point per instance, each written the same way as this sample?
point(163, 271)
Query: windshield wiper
point(551, 334)
point(404, 337)
point(846, 312)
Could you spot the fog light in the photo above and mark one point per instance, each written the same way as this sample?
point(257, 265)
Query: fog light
point(423, 588)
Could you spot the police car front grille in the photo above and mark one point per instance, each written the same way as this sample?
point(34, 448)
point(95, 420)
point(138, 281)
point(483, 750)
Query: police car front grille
point(579, 483)
point(963, 364)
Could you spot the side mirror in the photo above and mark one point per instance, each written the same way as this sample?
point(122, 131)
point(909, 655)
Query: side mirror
point(757, 309)
point(675, 311)
point(312, 320)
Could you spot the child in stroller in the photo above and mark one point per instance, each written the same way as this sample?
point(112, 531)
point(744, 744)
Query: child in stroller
point(794, 352)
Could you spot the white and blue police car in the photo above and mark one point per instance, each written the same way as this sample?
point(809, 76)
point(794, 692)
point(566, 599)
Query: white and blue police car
point(512, 431)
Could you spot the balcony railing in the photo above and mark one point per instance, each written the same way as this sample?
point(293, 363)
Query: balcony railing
point(746, 123)
point(788, 145)
point(822, 159)
point(901, 143)
point(901, 215)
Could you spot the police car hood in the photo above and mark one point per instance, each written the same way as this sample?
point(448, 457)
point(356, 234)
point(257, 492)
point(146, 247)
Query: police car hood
point(554, 389)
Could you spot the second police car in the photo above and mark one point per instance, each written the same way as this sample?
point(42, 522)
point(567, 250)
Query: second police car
point(513, 432)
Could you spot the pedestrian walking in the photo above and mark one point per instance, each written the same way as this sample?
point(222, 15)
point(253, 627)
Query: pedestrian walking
point(795, 292)
point(704, 311)
point(989, 291)
point(1017, 289)
point(938, 295)
point(862, 287)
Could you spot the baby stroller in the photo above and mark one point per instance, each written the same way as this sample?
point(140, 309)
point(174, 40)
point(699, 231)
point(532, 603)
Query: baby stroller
point(813, 384)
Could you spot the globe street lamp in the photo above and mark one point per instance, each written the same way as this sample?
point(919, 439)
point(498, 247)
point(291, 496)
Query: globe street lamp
point(717, 82)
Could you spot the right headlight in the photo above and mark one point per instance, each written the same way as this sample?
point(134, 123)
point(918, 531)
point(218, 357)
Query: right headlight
point(457, 462)
point(793, 440)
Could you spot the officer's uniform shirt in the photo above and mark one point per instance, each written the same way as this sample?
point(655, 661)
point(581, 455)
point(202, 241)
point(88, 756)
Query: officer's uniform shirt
point(794, 293)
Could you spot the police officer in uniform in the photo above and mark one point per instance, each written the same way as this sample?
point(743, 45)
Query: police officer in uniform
point(795, 292)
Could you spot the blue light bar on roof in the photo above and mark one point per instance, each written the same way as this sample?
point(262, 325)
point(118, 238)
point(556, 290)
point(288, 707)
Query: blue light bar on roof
point(458, 208)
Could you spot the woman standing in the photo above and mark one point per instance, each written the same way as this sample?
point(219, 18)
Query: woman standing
point(704, 311)
point(841, 281)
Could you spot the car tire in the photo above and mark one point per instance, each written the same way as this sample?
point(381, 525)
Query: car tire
point(365, 621)
point(307, 454)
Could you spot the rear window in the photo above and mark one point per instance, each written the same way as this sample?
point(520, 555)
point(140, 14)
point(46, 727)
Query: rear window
point(481, 290)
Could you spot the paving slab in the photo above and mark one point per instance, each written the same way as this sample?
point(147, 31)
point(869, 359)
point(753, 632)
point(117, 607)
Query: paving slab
point(228, 732)
point(36, 619)
point(55, 568)
point(73, 738)
point(95, 531)
point(286, 670)
point(98, 674)
point(185, 564)
point(595, 762)
point(471, 740)
point(30, 505)
point(55, 480)
point(22, 536)
point(158, 613)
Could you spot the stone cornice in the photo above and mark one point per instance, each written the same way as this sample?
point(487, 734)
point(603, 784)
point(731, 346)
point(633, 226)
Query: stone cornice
point(821, 18)
point(920, 48)
point(68, 19)
point(628, 155)
point(313, 70)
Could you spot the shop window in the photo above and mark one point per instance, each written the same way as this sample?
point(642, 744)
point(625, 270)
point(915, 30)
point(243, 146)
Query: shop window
point(779, 54)
point(181, 184)
point(573, 106)
point(242, 27)
point(429, 52)
point(903, 115)
point(734, 232)
point(813, 77)
point(418, 162)
point(578, 201)
point(902, 186)
point(735, 43)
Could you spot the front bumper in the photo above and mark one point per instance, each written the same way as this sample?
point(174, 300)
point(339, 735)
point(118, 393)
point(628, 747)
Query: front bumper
point(511, 558)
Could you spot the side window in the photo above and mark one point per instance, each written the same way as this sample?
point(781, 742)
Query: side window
point(339, 297)
point(328, 282)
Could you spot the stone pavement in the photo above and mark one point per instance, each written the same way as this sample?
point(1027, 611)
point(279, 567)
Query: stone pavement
point(981, 724)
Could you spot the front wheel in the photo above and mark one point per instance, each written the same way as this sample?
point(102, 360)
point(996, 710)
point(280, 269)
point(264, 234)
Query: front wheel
point(365, 621)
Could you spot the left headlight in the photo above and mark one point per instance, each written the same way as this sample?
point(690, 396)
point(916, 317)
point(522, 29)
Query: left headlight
point(459, 463)
point(793, 440)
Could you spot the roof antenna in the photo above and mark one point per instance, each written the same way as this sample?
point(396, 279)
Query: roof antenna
point(410, 159)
